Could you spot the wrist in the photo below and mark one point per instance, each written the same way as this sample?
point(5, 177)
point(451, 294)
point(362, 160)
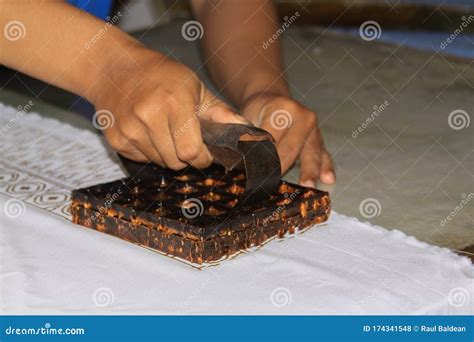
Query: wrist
point(263, 87)
point(113, 66)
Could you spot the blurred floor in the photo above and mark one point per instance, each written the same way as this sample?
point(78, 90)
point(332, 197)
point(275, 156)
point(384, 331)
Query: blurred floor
point(462, 46)
point(408, 161)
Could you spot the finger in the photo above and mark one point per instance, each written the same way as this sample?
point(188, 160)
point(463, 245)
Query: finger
point(310, 161)
point(164, 147)
point(158, 144)
point(222, 114)
point(186, 134)
point(153, 137)
point(124, 146)
point(138, 137)
point(327, 175)
point(134, 154)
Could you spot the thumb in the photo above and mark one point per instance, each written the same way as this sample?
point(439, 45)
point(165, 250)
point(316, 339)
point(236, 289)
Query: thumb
point(219, 112)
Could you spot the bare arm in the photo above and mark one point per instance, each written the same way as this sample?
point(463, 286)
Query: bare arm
point(54, 44)
point(235, 31)
point(248, 68)
point(151, 98)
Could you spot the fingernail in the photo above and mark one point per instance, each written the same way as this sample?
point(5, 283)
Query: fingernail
point(328, 177)
point(209, 155)
point(308, 183)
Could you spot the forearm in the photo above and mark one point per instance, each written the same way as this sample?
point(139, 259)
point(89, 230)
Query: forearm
point(61, 45)
point(234, 34)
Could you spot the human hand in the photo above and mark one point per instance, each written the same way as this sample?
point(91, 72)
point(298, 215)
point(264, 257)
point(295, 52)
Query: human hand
point(156, 105)
point(295, 129)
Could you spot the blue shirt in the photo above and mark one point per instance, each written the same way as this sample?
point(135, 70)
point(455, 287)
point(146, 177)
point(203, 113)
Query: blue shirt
point(100, 8)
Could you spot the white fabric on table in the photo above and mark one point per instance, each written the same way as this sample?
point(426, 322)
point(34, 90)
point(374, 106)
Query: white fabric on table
point(50, 266)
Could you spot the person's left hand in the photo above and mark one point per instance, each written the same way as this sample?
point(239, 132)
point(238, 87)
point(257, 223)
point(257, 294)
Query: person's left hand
point(295, 129)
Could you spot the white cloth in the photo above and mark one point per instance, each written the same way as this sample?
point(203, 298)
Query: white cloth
point(50, 266)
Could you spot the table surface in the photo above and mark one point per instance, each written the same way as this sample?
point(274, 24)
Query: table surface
point(49, 265)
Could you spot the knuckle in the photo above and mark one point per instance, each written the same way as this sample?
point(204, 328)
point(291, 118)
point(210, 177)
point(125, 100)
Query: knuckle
point(311, 119)
point(144, 112)
point(168, 98)
point(290, 106)
point(148, 108)
point(283, 102)
point(294, 107)
point(296, 110)
point(175, 165)
point(132, 135)
point(187, 152)
point(201, 164)
point(141, 107)
point(114, 141)
point(155, 158)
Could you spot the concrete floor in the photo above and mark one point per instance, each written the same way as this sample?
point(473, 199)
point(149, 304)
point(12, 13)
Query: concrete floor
point(407, 160)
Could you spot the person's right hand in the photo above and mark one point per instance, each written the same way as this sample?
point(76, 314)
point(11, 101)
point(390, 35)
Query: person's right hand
point(156, 105)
